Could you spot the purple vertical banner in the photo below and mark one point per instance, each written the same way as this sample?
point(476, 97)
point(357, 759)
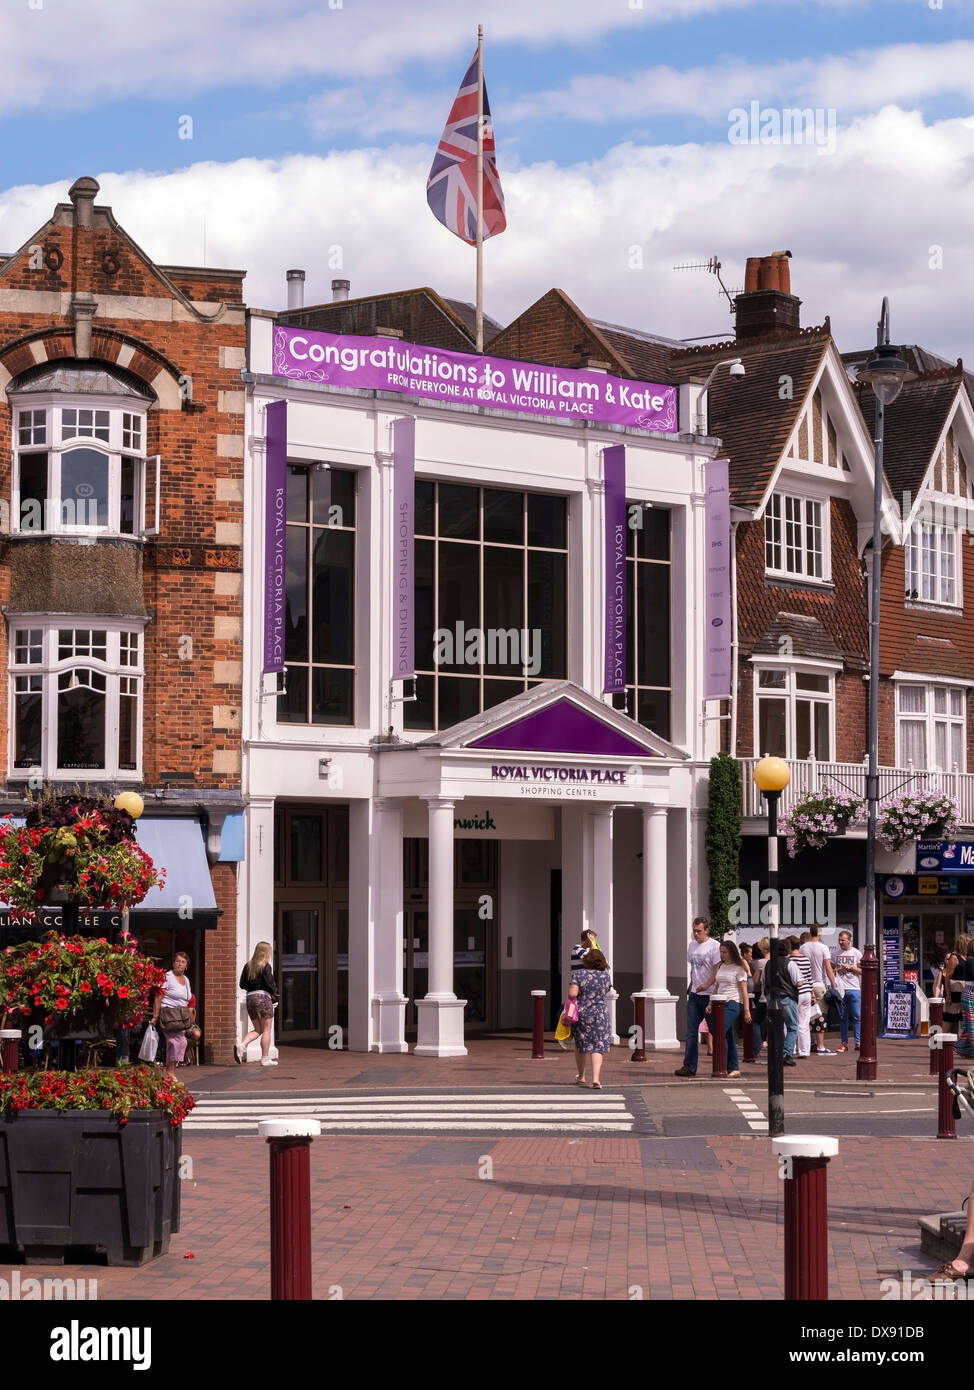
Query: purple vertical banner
point(614, 469)
point(403, 531)
point(717, 608)
point(275, 535)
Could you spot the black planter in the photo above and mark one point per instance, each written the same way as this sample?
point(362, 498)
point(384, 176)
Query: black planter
point(934, 830)
point(98, 1020)
point(841, 825)
point(76, 1180)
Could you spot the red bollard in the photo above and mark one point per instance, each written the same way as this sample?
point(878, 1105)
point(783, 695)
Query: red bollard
point(718, 1031)
point(537, 1042)
point(803, 1161)
point(290, 1146)
point(10, 1049)
point(639, 1021)
point(936, 1026)
point(943, 1045)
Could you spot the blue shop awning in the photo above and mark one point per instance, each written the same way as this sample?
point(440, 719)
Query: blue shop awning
point(179, 847)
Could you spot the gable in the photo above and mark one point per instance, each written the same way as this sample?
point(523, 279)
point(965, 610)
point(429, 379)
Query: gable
point(563, 727)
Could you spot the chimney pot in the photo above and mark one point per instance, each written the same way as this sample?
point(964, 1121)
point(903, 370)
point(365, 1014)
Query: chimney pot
point(295, 289)
point(751, 274)
point(766, 307)
point(339, 290)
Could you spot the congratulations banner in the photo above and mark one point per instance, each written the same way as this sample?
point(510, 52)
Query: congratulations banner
point(373, 364)
point(614, 466)
point(275, 535)
point(717, 608)
point(403, 502)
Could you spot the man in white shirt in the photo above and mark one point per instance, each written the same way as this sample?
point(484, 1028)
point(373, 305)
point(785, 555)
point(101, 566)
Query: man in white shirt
point(820, 958)
point(703, 957)
point(849, 973)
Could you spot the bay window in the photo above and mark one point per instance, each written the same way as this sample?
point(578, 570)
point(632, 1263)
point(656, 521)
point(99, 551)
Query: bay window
point(81, 469)
point(76, 699)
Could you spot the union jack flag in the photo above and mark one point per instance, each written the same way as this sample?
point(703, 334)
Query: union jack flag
point(451, 189)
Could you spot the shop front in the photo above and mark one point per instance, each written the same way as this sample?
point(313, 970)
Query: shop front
point(924, 912)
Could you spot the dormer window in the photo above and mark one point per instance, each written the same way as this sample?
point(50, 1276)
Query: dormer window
point(931, 568)
point(796, 538)
point(79, 465)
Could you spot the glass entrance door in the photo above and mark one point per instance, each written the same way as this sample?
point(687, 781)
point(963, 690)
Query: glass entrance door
point(298, 959)
point(415, 960)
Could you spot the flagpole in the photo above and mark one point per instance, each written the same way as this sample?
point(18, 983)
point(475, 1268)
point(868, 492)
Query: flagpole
point(480, 188)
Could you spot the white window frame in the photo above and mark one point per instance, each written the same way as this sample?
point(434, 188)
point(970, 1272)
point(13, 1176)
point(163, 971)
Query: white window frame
point(53, 523)
point(791, 695)
point(50, 667)
point(931, 717)
point(913, 574)
point(780, 502)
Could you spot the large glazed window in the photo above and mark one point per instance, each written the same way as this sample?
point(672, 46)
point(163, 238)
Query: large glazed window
point(648, 568)
point(75, 700)
point(319, 649)
point(491, 598)
point(795, 712)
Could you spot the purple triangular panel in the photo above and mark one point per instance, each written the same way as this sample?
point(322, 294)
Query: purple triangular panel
point(563, 728)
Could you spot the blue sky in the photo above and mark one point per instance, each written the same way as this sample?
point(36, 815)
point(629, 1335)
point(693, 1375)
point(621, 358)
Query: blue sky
point(83, 126)
point(313, 125)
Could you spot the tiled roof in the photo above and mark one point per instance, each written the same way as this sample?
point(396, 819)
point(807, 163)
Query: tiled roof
point(749, 413)
point(807, 636)
point(935, 655)
point(420, 315)
point(913, 424)
point(647, 355)
point(467, 314)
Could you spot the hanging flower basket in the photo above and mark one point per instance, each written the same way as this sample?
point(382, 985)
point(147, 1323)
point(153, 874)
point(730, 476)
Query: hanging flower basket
point(916, 816)
point(817, 818)
point(75, 845)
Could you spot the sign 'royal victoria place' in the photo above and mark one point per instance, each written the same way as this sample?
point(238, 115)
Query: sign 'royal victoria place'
point(495, 382)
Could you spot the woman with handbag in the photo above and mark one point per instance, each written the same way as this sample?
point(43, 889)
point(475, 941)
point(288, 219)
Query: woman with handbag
point(965, 1024)
point(953, 983)
point(257, 978)
point(593, 1031)
point(173, 1011)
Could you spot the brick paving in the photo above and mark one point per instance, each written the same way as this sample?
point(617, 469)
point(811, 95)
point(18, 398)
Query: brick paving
point(506, 1061)
point(552, 1219)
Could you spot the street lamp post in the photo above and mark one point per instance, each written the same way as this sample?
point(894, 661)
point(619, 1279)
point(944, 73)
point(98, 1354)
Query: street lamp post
point(886, 374)
point(771, 775)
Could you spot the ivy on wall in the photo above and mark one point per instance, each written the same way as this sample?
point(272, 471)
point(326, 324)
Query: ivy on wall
point(723, 845)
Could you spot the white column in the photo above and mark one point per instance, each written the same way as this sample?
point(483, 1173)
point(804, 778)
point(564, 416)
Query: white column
point(440, 1014)
point(388, 1000)
point(361, 914)
point(660, 1004)
point(255, 896)
point(597, 897)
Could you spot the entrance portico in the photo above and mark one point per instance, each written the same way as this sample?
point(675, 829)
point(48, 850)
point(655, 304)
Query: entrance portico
point(556, 749)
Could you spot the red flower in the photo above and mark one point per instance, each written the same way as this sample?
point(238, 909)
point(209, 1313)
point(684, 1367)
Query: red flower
point(61, 1004)
point(123, 992)
point(86, 988)
point(107, 991)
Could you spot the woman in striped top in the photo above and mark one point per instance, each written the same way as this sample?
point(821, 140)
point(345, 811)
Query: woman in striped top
point(800, 970)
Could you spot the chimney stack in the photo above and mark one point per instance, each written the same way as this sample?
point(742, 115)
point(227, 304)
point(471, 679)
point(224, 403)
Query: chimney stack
point(339, 290)
point(767, 308)
point(295, 289)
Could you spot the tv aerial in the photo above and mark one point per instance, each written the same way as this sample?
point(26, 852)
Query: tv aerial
point(713, 268)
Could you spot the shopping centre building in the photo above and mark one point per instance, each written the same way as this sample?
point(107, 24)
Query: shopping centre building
point(452, 562)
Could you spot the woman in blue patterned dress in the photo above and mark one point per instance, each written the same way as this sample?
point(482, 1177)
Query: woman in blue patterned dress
point(593, 1031)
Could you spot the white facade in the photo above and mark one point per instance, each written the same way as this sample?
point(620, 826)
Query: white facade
point(630, 851)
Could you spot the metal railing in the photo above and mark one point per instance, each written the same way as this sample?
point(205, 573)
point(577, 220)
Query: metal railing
point(809, 776)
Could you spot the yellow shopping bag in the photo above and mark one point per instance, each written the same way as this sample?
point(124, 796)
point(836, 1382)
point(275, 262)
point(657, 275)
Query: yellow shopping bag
point(562, 1032)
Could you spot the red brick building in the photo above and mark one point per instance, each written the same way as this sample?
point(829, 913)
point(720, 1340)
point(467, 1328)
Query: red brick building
point(121, 439)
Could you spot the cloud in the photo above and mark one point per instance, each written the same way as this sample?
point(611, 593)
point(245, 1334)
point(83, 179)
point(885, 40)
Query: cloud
point(862, 222)
point(75, 55)
point(857, 82)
